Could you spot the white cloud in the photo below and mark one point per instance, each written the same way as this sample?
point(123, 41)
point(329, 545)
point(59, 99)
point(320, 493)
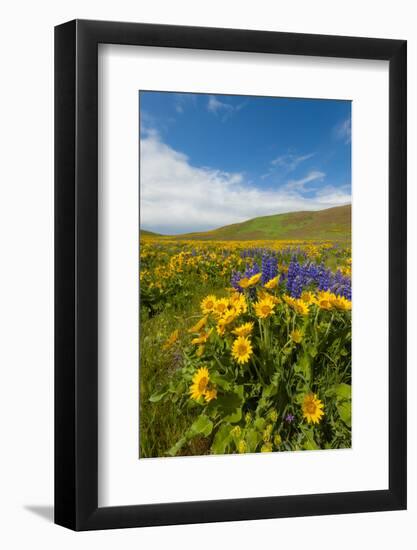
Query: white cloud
point(177, 197)
point(343, 131)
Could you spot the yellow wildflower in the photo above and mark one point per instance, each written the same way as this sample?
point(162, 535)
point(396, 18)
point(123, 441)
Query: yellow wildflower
point(242, 350)
point(207, 304)
point(244, 330)
point(312, 408)
point(199, 325)
point(200, 381)
point(296, 336)
point(210, 394)
point(272, 283)
point(264, 308)
point(173, 337)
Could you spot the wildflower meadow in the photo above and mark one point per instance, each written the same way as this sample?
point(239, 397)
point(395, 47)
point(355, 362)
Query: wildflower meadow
point(245, 346)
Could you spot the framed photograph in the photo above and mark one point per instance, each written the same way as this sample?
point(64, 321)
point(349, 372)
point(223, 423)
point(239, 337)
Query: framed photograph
point(230, 253)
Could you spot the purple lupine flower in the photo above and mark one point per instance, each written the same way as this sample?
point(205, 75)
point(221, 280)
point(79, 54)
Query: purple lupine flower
point(289, 418)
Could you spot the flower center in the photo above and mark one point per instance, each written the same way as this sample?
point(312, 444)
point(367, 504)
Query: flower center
point(311, 407)
point(266, 310)
point(202, 384)
point(242, 349)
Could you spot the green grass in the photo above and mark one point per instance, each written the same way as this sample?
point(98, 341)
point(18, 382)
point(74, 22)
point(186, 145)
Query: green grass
point(162, 424)
point(329, 224)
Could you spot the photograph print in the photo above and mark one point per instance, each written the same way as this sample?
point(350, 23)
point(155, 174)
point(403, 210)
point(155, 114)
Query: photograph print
point(245, 274)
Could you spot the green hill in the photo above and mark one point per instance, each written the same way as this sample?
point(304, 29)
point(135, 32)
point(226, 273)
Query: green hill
point(150, 234)
point(329, 224)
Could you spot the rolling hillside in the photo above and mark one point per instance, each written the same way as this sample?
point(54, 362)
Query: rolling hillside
point(331, 224)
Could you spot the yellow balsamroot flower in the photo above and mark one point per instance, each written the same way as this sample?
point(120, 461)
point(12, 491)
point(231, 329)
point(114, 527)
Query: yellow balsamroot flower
point(202, 339)
point(263, 294)
point(264, 308)
point(254, 280)
point(173, 337)
point(220, 307)
point(200, 383)
point(242, 350)
point(301, 307)
point(244, 283)
point(272, 283)
point(243, 330)
point(312, 408)
point(308, 297)
point(242, 446)
point(210, 394)
point(221, 327)
point(199, 325)
point(341, 303)
point(296, 336)
point(207, 304)
point(266, 448)
point(238, 301)
point(324, 299)
point(229, 316)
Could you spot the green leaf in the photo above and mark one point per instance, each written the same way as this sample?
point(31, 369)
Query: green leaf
point(229, 405)
point(157, 396)
point(202, 426)
point(303, 367)
point(175, 448)
point(221, 439)
point(253, 437)
point(344, 409)
point(309, 444)
point(343, 391)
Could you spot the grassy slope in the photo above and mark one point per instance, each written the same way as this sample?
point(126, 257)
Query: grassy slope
point(149, 234)
point(332, 224)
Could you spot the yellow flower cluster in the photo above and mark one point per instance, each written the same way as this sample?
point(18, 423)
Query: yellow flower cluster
point(201, 386)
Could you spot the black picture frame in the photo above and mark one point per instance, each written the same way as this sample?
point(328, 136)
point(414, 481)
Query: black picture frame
point(76, 272)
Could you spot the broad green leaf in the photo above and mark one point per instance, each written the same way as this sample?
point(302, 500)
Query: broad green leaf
point(202, 426)
point(253, 437)
point(221, 439)
point(343, 391)
point(344, 409)
point(229, 405)
point(157, 396)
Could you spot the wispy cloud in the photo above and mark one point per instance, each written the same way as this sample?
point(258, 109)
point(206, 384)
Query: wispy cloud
point(178, 197)
point(300, 184)
point(291, 161)
point(343, 131)
point(286, 163)
point(182, 101)
point(226, 110)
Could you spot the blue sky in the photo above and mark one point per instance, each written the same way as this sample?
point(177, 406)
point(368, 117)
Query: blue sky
point(209, 160)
